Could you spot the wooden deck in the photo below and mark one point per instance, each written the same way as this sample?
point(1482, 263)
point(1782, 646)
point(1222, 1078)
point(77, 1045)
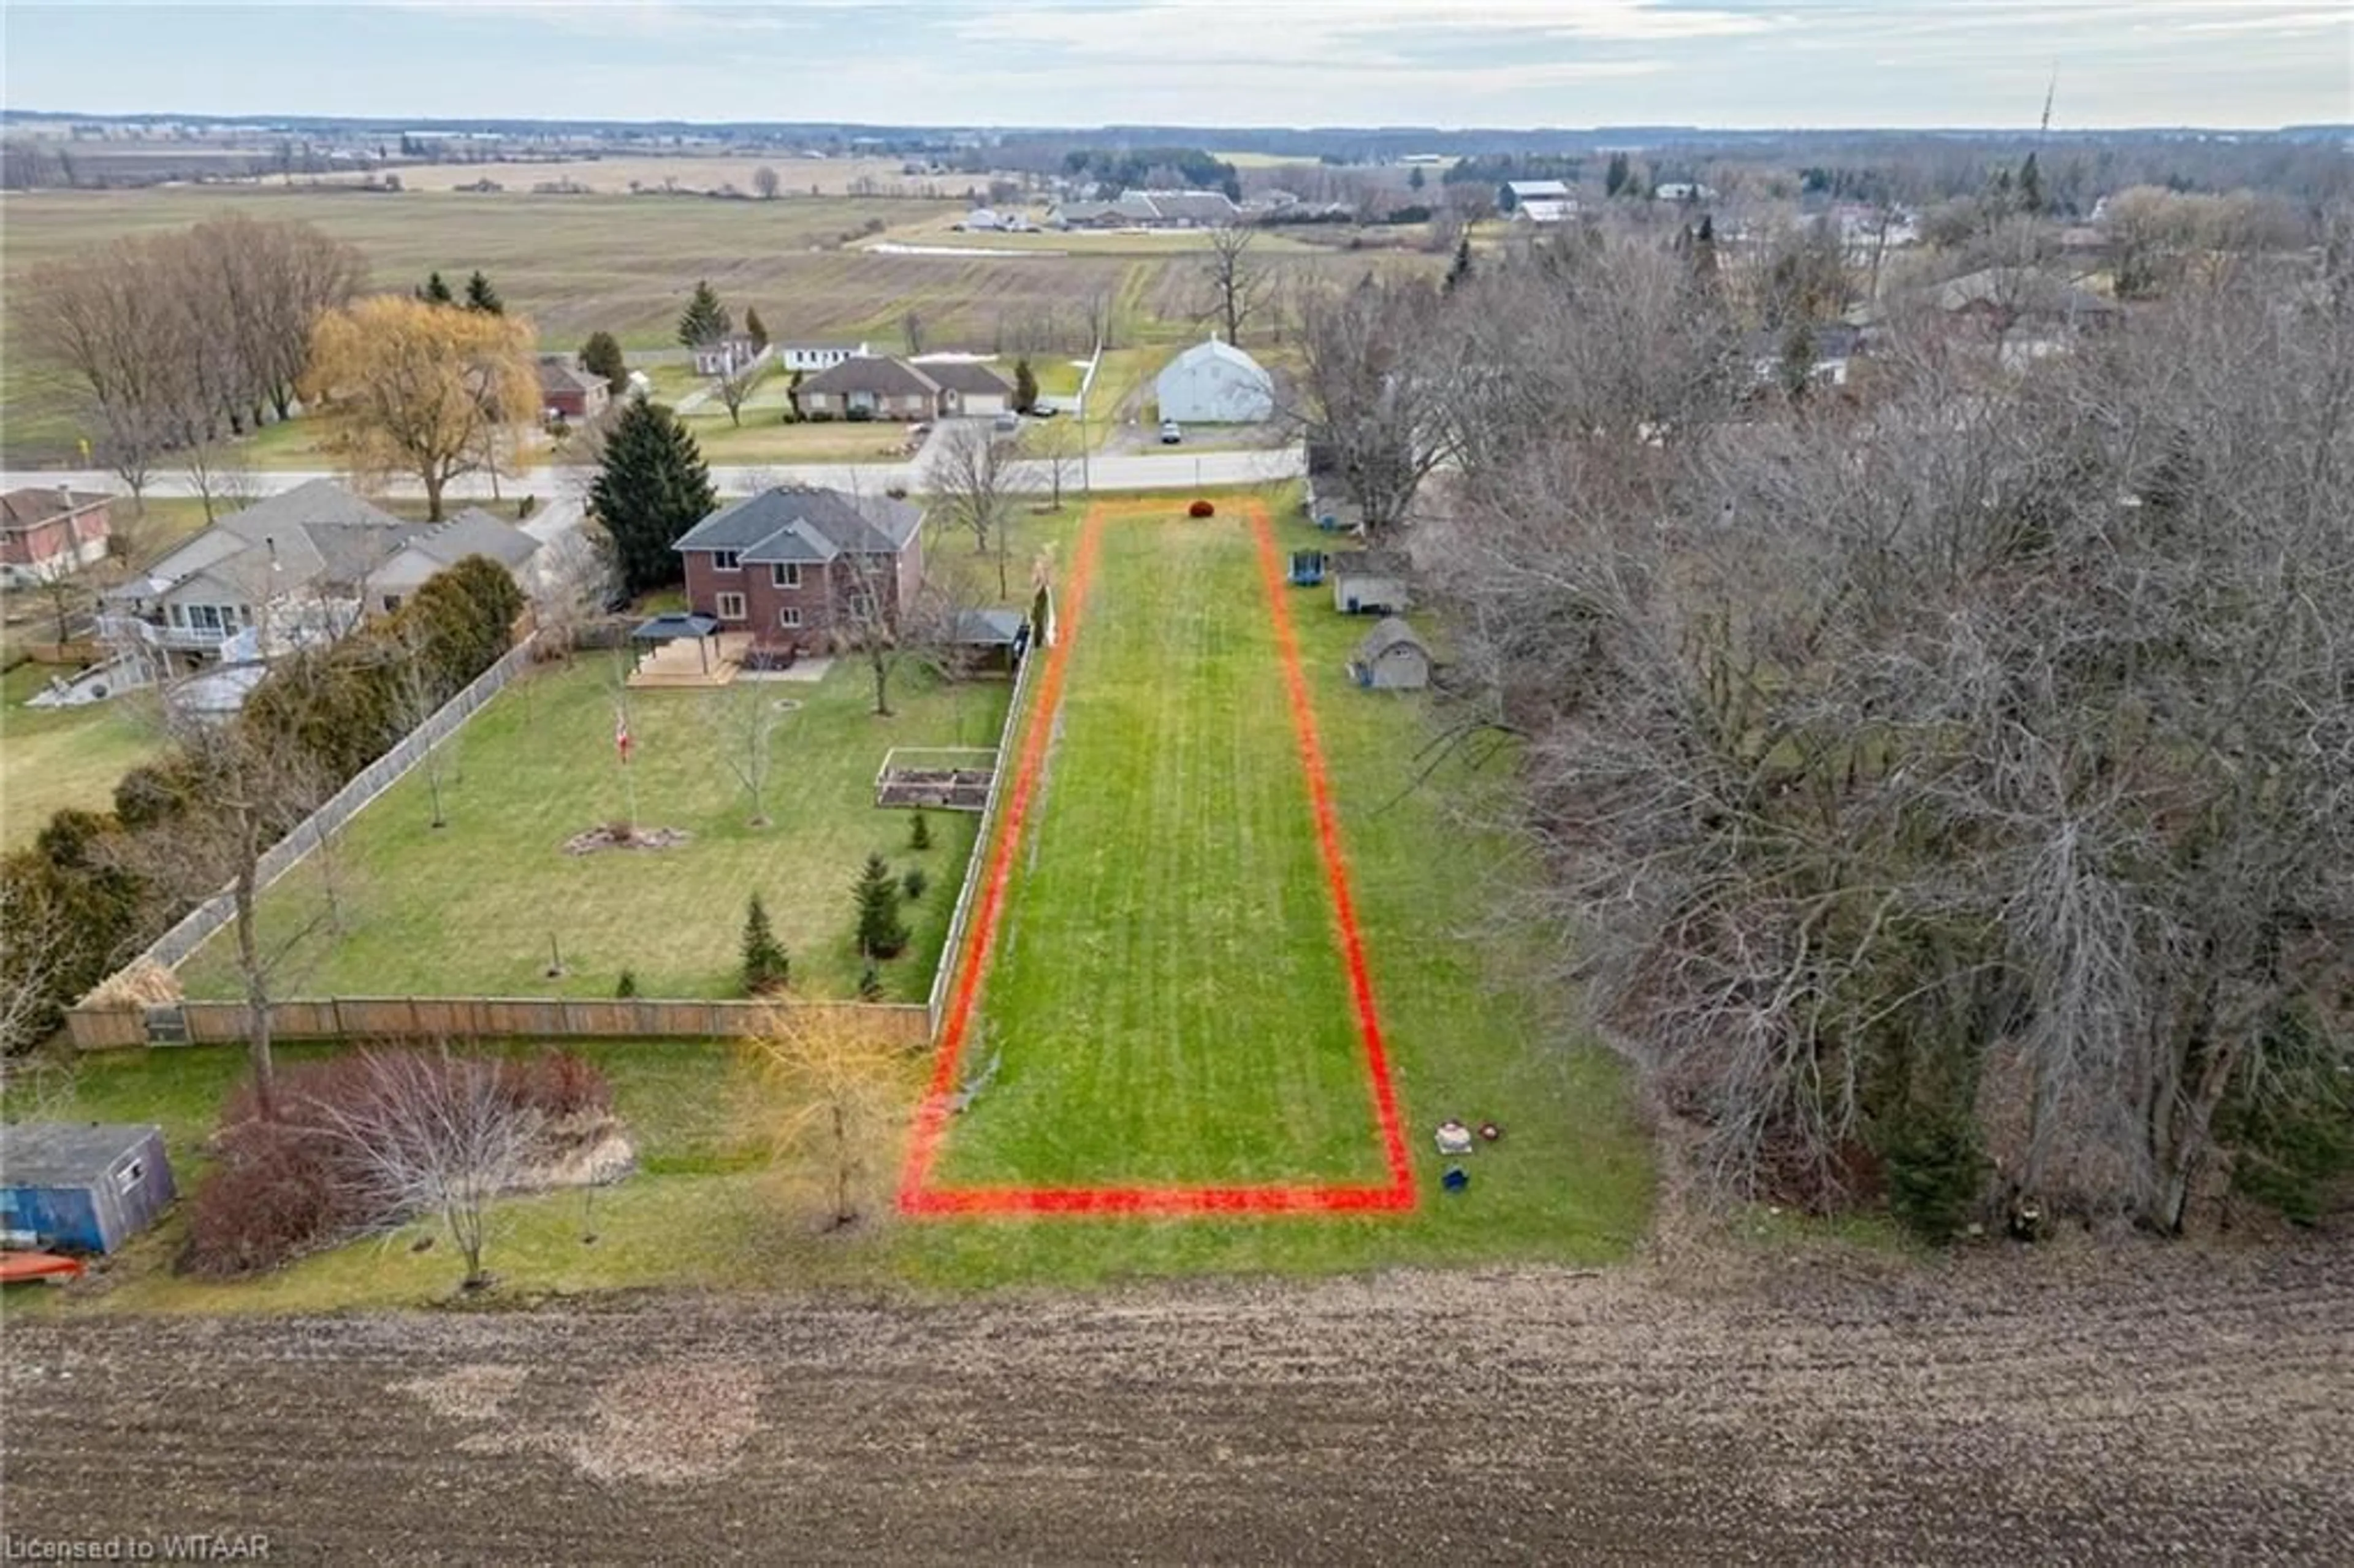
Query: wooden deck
point(711, 662)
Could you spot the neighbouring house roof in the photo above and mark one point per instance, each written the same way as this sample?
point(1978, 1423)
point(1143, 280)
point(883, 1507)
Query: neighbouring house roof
point(966, 376)
point(875, 374)
point(473, 532)
point(988, 628)
point(554, 375)
point(800, 522)
point(1389, 634)
point(1369, 564)
point(23, 510)
point(1538, 190)
point(1542, 209)
point(67, 1154)
point(1189, 206)
point(317, 532)
point(2027, 290)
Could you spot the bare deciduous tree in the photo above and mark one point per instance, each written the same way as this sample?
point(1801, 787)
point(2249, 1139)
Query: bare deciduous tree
point(572, 580)
point(765, 182)
point(435, 1134)
point(972, 476)
point(1236, 283)
point(1377, 405)
point(1983, 758)
point(744, 721)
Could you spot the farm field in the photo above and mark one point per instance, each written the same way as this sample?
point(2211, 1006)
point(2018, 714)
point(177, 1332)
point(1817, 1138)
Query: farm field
point(2017, 1407)
point(471, 908)
point(54, 758)
point(627, 264)
point(1171, 844)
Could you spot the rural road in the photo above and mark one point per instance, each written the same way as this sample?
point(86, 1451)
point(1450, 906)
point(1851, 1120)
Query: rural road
point(1155, 470)
point(2148, 1401)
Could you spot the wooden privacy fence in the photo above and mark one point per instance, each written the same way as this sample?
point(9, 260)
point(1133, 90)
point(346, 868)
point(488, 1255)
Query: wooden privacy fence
point(361, 1018)
point(977, 867)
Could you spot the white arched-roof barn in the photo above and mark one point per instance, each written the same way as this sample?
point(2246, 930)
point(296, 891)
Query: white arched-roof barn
point(1215, 383)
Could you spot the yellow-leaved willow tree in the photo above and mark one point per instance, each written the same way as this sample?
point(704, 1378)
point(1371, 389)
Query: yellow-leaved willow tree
point(411, 388)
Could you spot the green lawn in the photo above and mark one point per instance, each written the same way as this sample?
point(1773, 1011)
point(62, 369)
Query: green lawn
point(470, 909)
point(54, 758)
point(1166, 995)
point(764, 437)
point(704, 1207)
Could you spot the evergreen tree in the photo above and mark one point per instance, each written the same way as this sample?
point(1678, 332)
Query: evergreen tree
point(480, 296)
point(764, 963)
point(651, 488)
point(1025, 386)
point(881, 932)
point(2031, 185)
point(601, 356)
point(1703, 252)
point(1458, 271)
point(1414, 181)
point(755, 328)
point(705, 319)
point(436, 292)
point(919, 834)
point(1615, 180)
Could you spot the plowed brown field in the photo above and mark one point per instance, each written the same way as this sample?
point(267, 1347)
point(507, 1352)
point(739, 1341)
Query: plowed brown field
point(2120, 1406)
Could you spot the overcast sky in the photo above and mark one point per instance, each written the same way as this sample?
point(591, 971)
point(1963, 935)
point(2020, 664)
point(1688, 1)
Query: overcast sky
point(1205, 62)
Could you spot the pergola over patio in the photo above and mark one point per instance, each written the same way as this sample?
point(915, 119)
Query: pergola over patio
point(659, 661)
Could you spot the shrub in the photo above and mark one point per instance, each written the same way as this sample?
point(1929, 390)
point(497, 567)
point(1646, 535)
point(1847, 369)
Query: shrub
point(881, 932)
point(915, 882)
point(1200, 508)
point(627, 986)
point(287, 1185)
point(766, 966)
point(919, 832)
point(870, 983)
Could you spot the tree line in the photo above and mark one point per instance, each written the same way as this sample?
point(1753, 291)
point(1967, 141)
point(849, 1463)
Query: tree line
point(1944, 792)
point(178, 340)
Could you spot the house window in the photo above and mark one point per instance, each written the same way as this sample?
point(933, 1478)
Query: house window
point(789, 619)
point(127, 1180)
point(862, 606)
point(725, 561)
point(731, 607)
point(391, 602)
point(785, 574)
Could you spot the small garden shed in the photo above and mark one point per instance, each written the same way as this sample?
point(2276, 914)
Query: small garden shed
point(1391, 658)
point(81, 1186)
point(1368, 582)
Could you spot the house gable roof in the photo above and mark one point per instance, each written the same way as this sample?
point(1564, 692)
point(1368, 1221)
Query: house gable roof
point(1370, 564)
point(316, 532)
point(800, 522)
point(874, 374)
point(21, 510)
point(554, 375)
point(966, 376)
point(473, 532)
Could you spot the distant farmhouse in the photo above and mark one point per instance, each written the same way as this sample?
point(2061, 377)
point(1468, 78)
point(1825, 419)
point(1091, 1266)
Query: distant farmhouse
point(1147, 209)
point(874, 387)
point(567, 391)
point(808, 356)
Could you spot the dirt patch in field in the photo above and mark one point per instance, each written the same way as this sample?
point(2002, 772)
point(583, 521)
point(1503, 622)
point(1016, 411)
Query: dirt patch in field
point(2079, 1403)
point(620, 835)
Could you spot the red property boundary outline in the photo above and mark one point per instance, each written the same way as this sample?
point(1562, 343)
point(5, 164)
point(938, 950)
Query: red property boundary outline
point(919, 1197)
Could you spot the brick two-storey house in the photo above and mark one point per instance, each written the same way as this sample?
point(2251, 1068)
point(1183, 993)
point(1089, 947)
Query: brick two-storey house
point(804, 568)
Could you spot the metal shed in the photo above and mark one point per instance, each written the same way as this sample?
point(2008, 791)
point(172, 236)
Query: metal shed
point(81, 1186)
